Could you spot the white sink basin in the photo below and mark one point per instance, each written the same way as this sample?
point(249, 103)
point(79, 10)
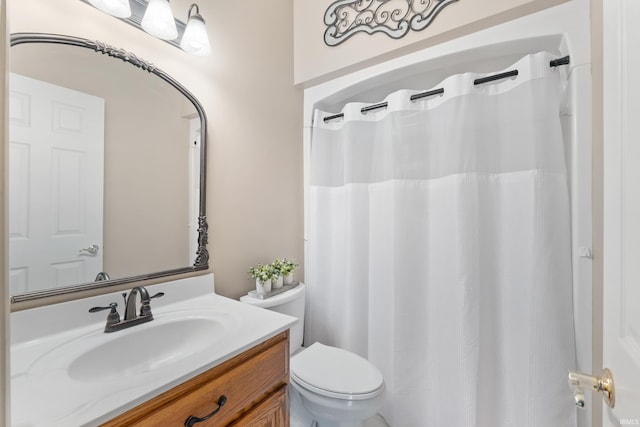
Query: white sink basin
point(165, 341)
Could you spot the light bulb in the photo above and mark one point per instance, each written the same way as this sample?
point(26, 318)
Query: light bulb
point(195, 39)
point(117, 8)
point(158, 20)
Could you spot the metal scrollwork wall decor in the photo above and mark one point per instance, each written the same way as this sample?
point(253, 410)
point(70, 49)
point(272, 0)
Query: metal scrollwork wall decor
point(395, 18)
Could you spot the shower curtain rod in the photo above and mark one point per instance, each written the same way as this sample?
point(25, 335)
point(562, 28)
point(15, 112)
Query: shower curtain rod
point(513, 73)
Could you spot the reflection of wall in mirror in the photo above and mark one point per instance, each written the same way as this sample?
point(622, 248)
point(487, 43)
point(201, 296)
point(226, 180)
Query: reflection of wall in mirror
point(146, 197)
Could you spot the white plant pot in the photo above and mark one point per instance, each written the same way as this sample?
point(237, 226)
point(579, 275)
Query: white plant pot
point(263, 288)
point(278, 283)
point(288, 279)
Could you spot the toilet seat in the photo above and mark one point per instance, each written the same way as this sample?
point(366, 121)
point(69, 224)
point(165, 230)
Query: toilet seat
point(336, 373)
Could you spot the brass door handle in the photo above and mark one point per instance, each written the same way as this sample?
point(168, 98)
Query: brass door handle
point(580, 382)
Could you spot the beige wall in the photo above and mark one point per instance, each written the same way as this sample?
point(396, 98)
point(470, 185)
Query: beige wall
point(316, 62)
point(254, 185)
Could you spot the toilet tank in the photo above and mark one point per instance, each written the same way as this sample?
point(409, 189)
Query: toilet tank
point(290, 302)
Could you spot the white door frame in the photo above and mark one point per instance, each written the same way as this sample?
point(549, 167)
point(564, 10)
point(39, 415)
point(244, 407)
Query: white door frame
point(621, 238)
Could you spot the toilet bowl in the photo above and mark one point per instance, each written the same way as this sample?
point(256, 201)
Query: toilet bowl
point(330, 386)
point(337, 387)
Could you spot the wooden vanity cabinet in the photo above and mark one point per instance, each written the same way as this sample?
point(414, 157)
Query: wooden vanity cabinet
point(254, 384)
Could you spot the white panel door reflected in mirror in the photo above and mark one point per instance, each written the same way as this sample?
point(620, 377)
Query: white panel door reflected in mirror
point(56, 154)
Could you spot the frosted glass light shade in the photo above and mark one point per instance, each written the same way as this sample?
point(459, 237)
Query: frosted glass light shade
point(117, 8)
point(195, 39)
point(158, 20)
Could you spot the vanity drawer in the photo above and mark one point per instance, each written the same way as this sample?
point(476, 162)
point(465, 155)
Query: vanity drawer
point(245, 380)
point(271, 412)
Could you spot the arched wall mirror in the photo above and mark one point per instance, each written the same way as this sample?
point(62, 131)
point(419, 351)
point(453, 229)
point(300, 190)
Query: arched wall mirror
point(107, 169)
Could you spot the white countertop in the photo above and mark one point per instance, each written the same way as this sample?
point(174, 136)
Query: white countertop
point(42, 392)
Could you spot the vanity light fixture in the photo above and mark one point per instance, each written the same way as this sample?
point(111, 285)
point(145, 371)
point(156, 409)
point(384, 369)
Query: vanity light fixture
point(155, 18)
point(158, 20)
point(195, 39)
point(117, 8)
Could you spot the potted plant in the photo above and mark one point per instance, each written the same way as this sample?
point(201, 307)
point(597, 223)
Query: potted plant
point(287, 268)
point(263, 275)
point(280, 269)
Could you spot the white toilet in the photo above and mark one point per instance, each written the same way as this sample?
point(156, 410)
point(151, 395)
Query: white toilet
point(329, 385)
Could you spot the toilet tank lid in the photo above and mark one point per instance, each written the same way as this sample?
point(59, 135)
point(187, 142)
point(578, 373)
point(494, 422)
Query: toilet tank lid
point(282, 298)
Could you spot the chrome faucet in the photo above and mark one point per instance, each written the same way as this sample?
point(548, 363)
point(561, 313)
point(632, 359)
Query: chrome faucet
point(131, 317)
point(130, 304)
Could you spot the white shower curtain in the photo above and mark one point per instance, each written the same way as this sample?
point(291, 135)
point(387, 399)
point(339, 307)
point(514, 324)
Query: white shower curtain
point(439, 249)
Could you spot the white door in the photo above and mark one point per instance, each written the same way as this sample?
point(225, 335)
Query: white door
point(56, 185)
point(622, 208)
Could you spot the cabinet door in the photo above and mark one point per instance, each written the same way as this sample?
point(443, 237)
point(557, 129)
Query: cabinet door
point(271, 412)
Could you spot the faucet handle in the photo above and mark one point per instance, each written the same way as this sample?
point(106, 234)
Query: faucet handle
point(145, 308)
point(111, 307)
point(158, 295)
point(113, 316)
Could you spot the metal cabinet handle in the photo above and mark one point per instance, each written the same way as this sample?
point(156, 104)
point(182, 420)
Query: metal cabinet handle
point(93, 249)
point(580, 382)
point(194, 420)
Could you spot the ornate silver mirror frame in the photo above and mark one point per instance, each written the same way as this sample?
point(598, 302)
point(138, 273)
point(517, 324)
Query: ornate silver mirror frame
point(202, 255)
